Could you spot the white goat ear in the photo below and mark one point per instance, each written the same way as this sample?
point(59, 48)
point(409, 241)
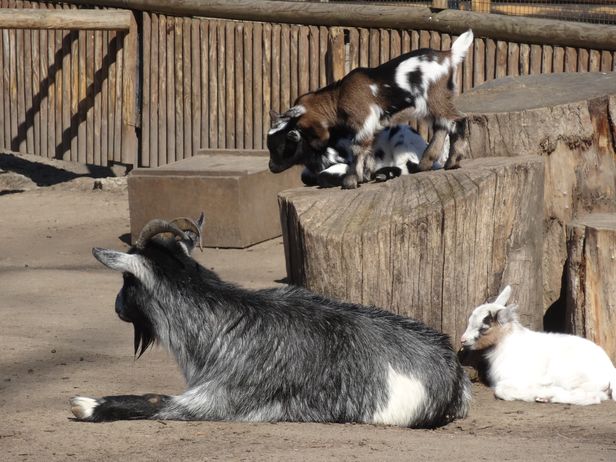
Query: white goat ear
point(121, 261)
point(295, 111)
point(503, 296)
point(508, 314)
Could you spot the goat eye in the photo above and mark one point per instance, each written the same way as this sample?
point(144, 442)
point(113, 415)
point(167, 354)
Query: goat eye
point(483, 329)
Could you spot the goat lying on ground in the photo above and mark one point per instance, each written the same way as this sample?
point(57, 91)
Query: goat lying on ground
point(397, 151)
point(537, 366)
point(281, 354)
point(366, 100)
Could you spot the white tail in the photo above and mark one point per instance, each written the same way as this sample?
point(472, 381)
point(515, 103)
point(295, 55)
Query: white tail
point(460, 47)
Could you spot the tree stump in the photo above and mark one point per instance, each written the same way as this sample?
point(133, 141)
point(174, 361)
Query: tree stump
point(431, 245)
point(570, 120)
point(590, 279)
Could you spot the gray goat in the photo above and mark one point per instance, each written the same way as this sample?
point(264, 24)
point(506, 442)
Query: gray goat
point(281, 354)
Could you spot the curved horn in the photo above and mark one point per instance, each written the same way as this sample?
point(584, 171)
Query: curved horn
point(188, 224)
point(155, 227)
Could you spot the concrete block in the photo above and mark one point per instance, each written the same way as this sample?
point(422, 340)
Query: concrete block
point(236, 191)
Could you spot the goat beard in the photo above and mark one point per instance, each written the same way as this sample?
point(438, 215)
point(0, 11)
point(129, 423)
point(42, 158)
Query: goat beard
point(144, 336)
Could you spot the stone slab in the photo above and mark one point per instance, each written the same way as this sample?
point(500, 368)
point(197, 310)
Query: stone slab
point(237, 192)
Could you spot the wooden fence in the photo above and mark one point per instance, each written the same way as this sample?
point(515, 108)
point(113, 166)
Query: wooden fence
point(206, 83)
point(68, 94)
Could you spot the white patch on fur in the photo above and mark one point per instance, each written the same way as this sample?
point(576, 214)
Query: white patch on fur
point(83, 407)
point(407, 397)
point(279, 125)
point(374, 88)
point(130, 263)
point(372, 124)
point(431, 71)
point(337, 169)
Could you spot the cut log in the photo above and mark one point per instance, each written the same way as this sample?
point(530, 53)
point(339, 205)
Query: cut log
point(431, 245)
point(566, 118)
point(590, 276)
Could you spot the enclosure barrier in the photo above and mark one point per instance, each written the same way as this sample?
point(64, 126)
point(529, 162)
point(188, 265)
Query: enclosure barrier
point(196, 75)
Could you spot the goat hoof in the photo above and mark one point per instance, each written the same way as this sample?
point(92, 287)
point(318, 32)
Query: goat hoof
point(380, 177)
point(543, 399)
point(350, 182)
point(425, 165)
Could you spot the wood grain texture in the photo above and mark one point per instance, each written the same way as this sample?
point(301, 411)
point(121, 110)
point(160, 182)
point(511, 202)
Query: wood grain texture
point(590, 275)
point(426, 245)
point(568, 118)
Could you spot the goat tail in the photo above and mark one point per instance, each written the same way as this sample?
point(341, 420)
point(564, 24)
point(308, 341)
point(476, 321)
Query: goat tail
point(461, 46)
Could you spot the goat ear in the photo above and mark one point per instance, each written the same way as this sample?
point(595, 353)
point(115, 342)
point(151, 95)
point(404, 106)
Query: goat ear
point(503, 296)
point(507, 314)
point(120, 261)
point(295, 111)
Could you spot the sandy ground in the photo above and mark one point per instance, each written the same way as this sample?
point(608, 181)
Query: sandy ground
point(59, 336)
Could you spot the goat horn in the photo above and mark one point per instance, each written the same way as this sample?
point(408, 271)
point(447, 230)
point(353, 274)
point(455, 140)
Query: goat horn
point(188, 224)
point(155, 227)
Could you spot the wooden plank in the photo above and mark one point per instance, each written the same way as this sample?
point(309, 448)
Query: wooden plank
point(375, 58)
point(445, 42)
point(435, 40)
point(203, 51)
point(336, 53)
point(294, 63)
point(501, 59)
point(524, 59)
point(313, 38)
point(171, 102)
point(276, 67)
point(230, 50)
point(29, 113)
point(44, 100)
point(74, 126)
point(187, 91)
point(558, 61)
point(480, 66)
point(364, 47)
point(396, 43)
point(119, 98)
point(248, 84)
point(490, 59)
point(405, 41)
point(160, 71)
point(6, 81)
point(98, 64)
point(385, 45)
point(67, 38)
point(89, 98)
point(267, 82)
point(595, 61)
point(21, 95)
point(583, 60)
point(147, 105)
point(323, 47)
point(303, 60)
point(547, 59)
point(424, 39)
point(179, 101)
point(352, 59)
point(606, 61)
point(314, 60)
point(53, 94)
point(3, 139)
point(285, 63)
point(60, 93)
point(222, 86)
point(513, 59)
point(467, 66)
point(535, 59)
point(414, 40)
point(571, 59)
point(257, 63)
point(50, 19)
point(104, 136)
point(239, 85)
point(195, 85)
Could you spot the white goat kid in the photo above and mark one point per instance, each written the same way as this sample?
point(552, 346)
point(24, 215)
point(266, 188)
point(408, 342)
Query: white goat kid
point(537, 366)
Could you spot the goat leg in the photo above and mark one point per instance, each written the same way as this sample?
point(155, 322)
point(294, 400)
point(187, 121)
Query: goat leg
point(120, 407)
point(356, 174)
point(458, 146)
point(434, 149)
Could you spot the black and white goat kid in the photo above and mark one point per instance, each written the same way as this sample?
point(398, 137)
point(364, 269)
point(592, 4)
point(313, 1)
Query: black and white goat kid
point(282, 354)
point(397, 151)
point(420, 83)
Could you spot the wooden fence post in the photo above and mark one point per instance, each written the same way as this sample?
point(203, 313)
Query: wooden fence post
point(481, 6)
point(441, 4)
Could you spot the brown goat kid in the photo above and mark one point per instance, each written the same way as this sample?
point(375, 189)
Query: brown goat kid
point(420, 83)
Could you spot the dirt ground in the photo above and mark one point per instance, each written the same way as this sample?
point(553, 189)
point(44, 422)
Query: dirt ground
point(59, 337)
